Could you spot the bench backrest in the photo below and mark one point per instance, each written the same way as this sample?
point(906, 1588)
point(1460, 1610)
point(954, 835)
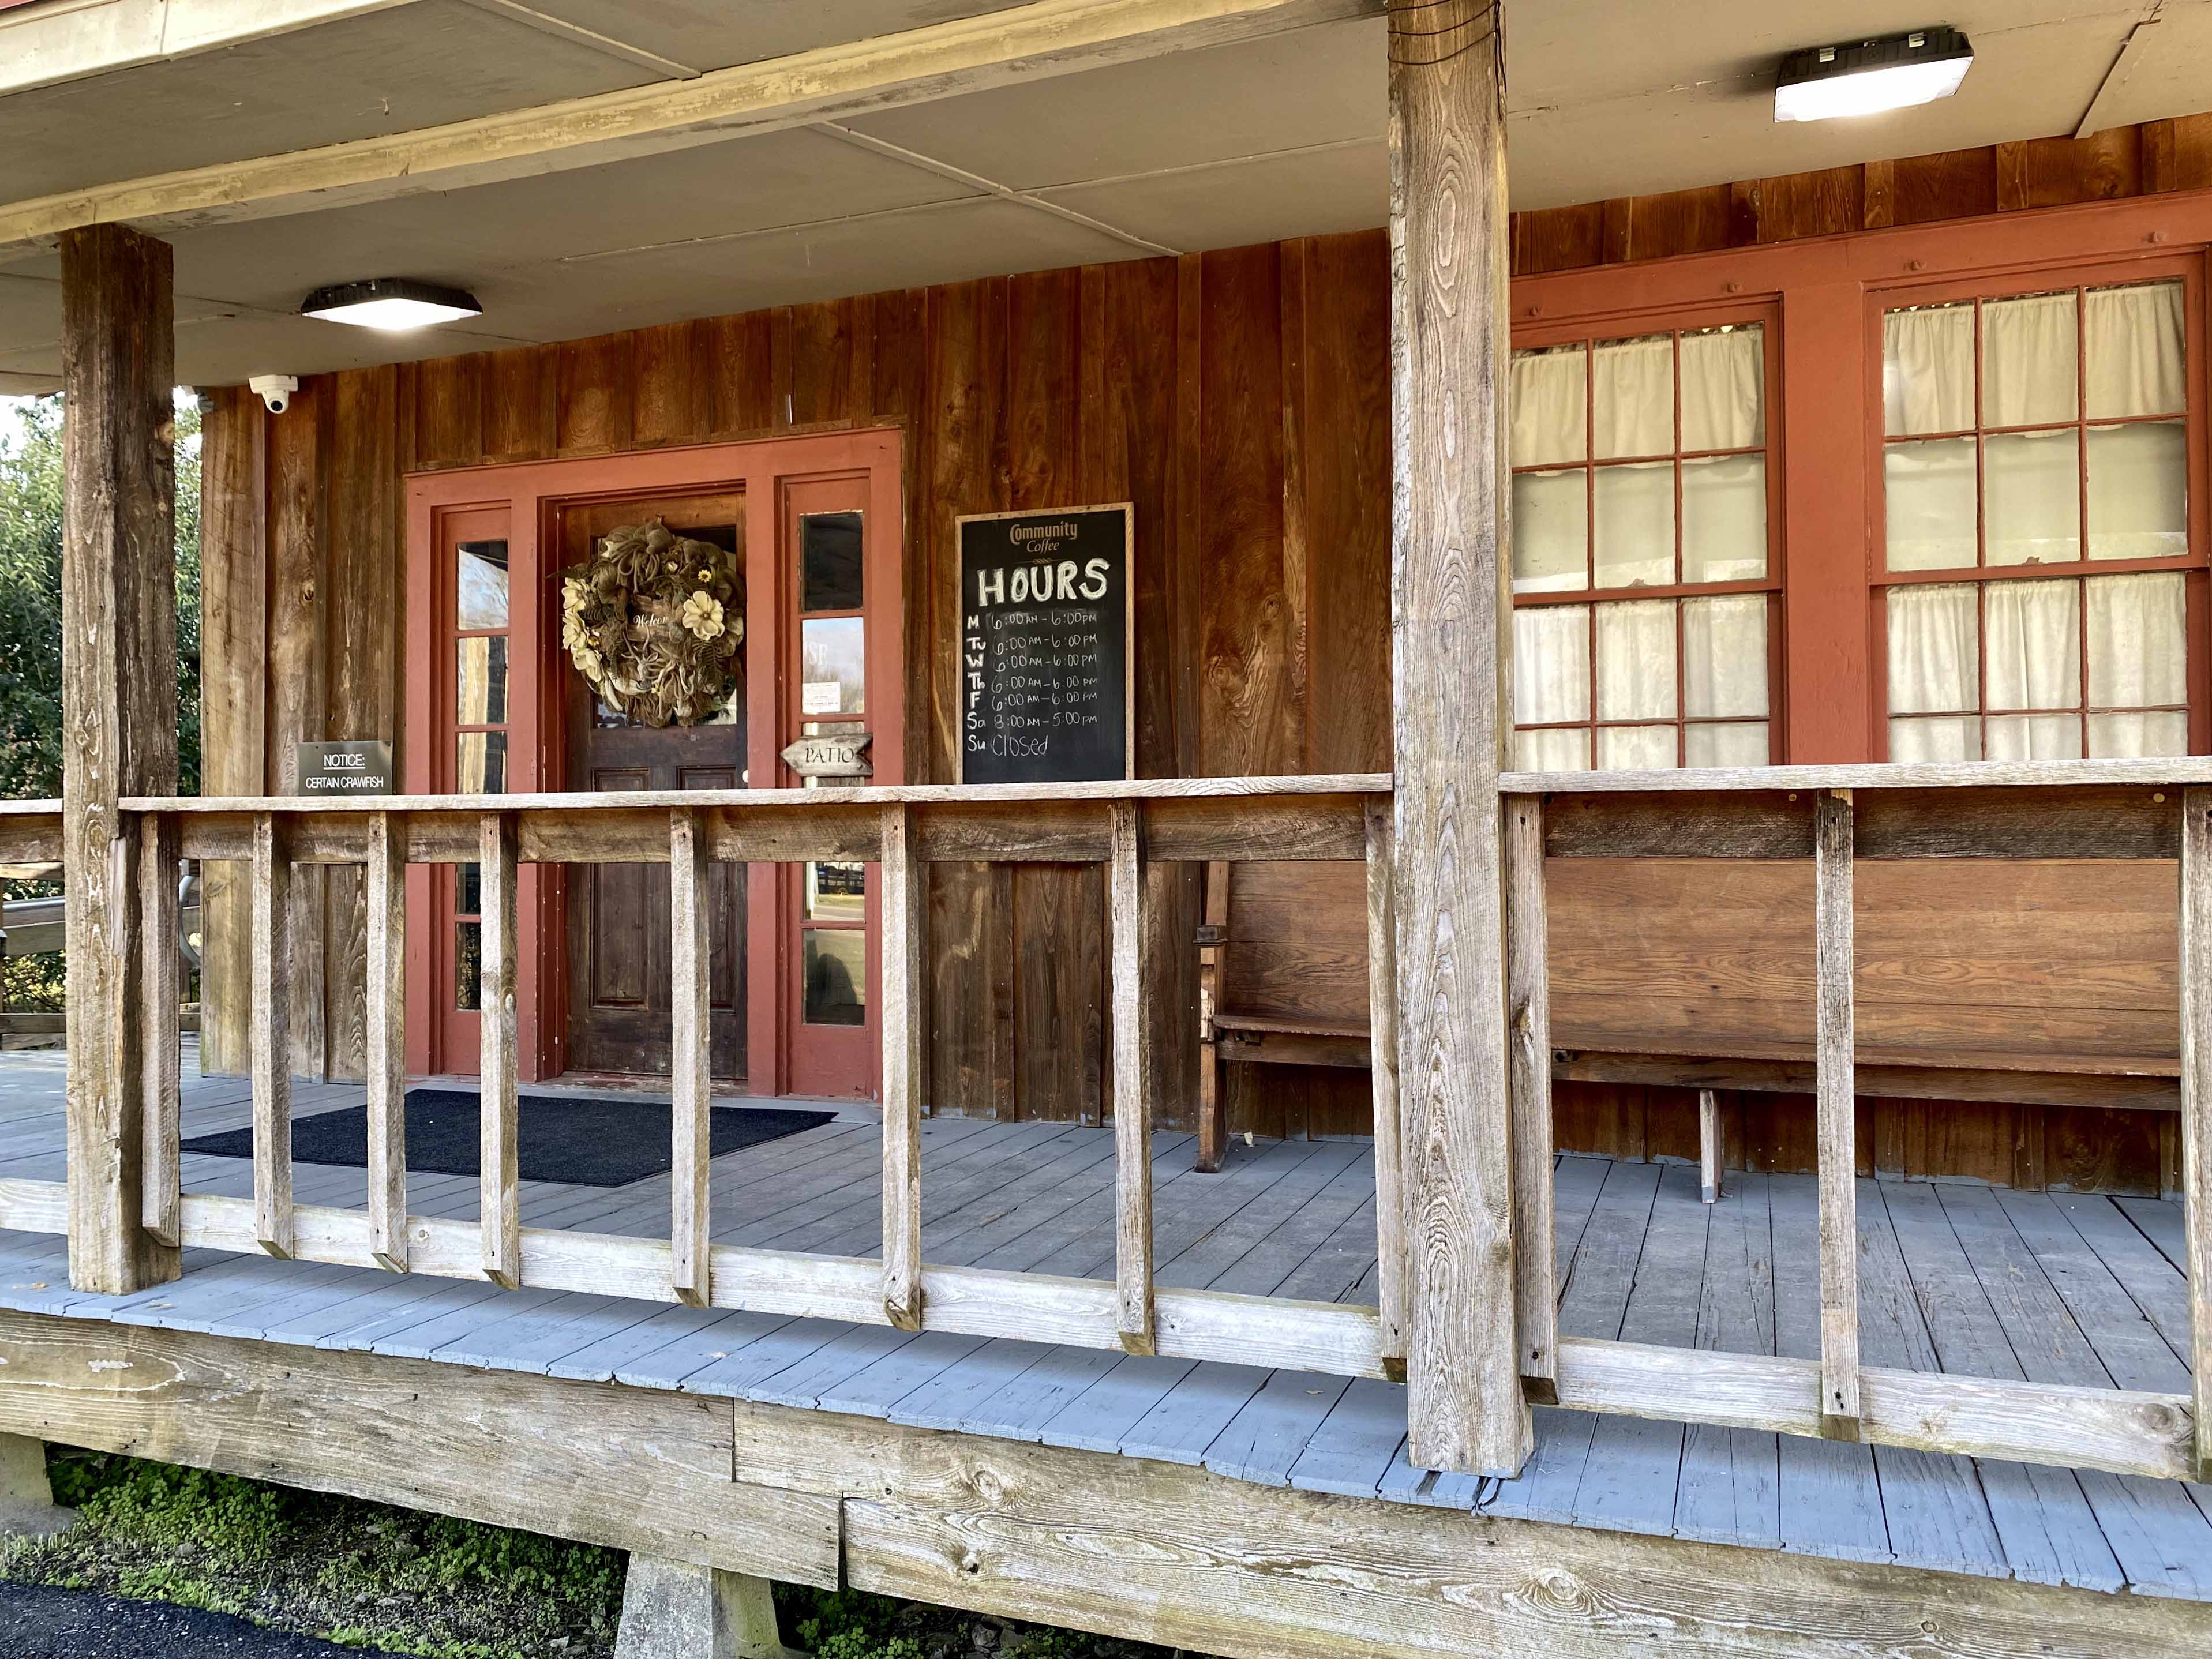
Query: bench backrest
point(1981, 963)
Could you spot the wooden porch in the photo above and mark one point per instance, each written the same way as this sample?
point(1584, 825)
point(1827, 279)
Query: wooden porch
point(2057, 1288)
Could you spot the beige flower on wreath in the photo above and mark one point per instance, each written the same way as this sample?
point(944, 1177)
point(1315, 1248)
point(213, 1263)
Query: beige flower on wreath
point(702, 615)
point(589, 661)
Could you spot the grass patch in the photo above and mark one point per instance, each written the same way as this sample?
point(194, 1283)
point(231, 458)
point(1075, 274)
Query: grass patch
point(371, 1576)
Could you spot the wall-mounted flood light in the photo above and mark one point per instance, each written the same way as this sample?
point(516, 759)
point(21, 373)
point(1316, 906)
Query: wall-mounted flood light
point(390, 302)
point(1895, 72)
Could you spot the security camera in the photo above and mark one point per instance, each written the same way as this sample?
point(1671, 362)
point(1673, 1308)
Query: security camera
point(275, 390)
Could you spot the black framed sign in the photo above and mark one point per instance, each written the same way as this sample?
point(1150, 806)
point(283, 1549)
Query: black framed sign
point(1046, 632)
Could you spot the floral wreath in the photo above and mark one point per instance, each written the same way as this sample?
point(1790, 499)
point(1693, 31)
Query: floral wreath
point(647, 621)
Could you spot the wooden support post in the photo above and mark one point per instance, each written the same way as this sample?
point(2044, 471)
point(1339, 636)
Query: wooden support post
point(674, 1610)
point(1451, 652)
point(905, 984)
point(499, 1203)
point(271, 1080)
point(27, 1509)
point(1529, 1003)
point(162, 1105)
point(2196, 1129)
point(1393, 1267)
point(1132, 1099)
point(118, 718)
point(1836, 1130)
point(1709, 1145)
point(691, 1083)
point(384, 1032)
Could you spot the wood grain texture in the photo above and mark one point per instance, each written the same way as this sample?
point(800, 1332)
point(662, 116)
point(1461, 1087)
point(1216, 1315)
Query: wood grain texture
point(383, 891)
point(1529, 1007)
point(1178, 1557)
point(2196, 1134)
point(1449, 568)
point(160, 1076)
point(1132, 1075)
point(503, 1448)
point(690, 1075)
point(1393, 1245)
point(300, 458)
point(273, 914)
point(498, 1204)
point(906, 972)
point(118, 714)
point(1836, 1096)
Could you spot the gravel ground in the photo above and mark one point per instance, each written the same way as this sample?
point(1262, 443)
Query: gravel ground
point(37, 1623)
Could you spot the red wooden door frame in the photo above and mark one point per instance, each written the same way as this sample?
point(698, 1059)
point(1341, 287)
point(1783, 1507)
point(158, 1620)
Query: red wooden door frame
point(1827, 290)
point(533, 493)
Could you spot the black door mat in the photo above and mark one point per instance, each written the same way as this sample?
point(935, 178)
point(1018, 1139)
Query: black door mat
point(596, 1142)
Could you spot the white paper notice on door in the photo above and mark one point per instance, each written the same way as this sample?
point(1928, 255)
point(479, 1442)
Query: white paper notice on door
point(819, 696)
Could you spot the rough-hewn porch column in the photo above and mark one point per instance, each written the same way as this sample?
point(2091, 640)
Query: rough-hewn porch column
point(1451, 661)
point(119, 713)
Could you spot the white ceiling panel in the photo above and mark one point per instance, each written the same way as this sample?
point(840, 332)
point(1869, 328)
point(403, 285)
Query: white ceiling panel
point(711, 34)
point(1312, 193)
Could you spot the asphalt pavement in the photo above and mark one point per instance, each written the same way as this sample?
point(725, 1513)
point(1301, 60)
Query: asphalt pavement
point(39, 1623)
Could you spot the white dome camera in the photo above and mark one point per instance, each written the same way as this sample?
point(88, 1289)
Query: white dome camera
point(275, 390)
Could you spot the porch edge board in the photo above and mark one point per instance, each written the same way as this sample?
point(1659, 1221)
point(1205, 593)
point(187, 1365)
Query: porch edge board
point(630, 1468)
point(1166, 1553)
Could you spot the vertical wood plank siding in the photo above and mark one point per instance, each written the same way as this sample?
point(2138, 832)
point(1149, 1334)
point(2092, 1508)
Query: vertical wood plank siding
point(1240, 398)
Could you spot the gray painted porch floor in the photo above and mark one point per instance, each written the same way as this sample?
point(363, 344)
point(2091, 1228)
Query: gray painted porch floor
point(2052, 1287)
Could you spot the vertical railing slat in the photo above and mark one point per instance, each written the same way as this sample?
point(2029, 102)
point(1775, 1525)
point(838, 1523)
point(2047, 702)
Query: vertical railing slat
point(384, 1032)
point(903, 987)
point(1133, 1101)
point(1836, 1110)
point(160, 993)
point(271, 1082)
point(1528, 1012)
point(2195, 1135)
point(1394, 1271)
point(499, 1202)
point(690, 1081)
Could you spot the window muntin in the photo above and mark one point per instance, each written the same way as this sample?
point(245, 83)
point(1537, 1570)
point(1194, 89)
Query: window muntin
point(2027, 440)
point(1642, 570)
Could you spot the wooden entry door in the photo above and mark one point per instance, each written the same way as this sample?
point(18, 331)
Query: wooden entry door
point(618, 932)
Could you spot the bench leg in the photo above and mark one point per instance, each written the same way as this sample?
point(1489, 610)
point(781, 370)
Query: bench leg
point(27, 1501)
point(1708, 1144)
point(1212, 1125)
point(673, 1610)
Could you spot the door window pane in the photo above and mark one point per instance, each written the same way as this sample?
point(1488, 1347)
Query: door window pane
point(836, 968)
point(829, 574)
point(833, 666)
point(481, 768)
point(481, 595)
point(468, 966)
point(468, 889)
point(836, 892)
point(481, 681)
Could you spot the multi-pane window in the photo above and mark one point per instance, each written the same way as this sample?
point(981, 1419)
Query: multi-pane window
point(1642, 573)
point(2027, 442)
point(833, 702)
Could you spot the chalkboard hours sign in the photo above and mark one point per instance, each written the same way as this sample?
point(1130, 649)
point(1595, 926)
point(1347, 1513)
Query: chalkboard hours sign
point(1045, 622)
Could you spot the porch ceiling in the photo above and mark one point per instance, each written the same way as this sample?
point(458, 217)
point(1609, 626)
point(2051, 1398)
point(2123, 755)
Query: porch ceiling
point(1274, 137)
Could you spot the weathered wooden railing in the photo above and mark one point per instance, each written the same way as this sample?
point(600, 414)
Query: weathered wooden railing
point(1121, 826)
point(1835, 815)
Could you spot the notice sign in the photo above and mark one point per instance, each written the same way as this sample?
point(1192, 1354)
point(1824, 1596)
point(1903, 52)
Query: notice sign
point(1045, 621)
point(361, 768)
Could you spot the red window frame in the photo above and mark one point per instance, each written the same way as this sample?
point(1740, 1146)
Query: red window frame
point(2080, 276)
point(1676, 321)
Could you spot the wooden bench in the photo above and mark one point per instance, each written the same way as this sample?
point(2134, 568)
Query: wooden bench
point(2019, 983)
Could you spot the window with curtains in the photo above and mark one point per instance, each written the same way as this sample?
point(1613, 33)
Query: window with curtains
point(1643, 575)
point(2035, 488)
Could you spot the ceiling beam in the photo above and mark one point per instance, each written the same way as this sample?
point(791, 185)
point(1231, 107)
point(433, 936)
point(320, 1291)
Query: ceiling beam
point(941, 60)
point(52, 43)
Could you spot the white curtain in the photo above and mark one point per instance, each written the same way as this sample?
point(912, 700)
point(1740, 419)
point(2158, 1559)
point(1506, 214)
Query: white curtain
point(1724, 518)
point(1634, 543)
point(1635, 407)
point(2135, 340)
point(1636, 661)
point(1550, 390)
point(2030, 360)
point(2139, 491)
point(1551, 664)
point(1928, 370)
point(1551, 531)
point(1724, 388)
